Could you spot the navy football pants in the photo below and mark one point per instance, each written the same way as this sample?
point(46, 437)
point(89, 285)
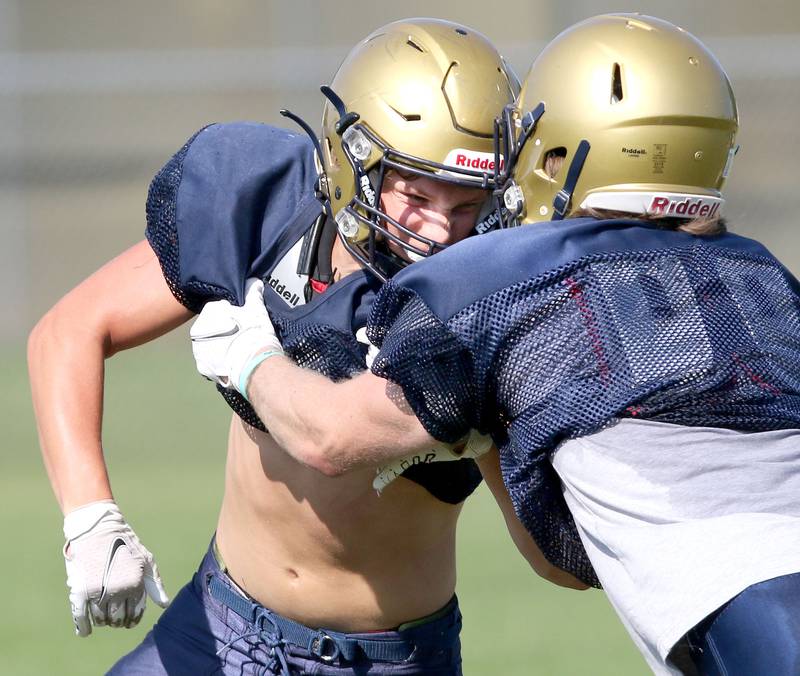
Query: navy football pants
point(757, 633)
point(199, 635)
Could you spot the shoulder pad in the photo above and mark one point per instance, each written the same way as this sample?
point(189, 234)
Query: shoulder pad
point(220, 209)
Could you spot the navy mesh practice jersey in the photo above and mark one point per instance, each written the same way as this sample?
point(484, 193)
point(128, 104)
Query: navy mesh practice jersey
point(550, 331)
point(236, 202)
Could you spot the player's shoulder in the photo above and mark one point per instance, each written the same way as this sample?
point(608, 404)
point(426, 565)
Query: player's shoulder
point(248, 147)
point(228, 202)
point(482, 265)
point(247, 136)
point(230, 157)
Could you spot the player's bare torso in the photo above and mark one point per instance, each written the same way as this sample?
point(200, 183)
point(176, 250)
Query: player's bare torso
point(328, 551)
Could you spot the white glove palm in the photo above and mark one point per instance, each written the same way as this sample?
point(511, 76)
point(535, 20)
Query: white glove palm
point(227, 340)
point(474, 446)
point(109, 571)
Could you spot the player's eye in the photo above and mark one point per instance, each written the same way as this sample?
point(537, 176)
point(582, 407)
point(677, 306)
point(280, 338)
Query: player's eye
point(416, 199)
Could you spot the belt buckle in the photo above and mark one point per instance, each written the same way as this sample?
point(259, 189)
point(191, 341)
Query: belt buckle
point(320, 645)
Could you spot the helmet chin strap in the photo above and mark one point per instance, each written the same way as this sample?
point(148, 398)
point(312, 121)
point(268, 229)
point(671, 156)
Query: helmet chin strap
point(345, 119)
point(564, 196)
point(315, 259)
point(305, 127)
point(315, 256)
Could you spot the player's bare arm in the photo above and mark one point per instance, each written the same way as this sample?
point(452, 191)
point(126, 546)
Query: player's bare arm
point(124, 304)
point(333, 427)
point(370, 424)
point(489, 465)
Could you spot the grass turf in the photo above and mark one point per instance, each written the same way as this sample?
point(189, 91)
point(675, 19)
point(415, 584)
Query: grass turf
point(164, 437)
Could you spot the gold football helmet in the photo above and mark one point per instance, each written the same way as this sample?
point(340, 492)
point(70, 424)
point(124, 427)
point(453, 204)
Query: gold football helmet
point(642, 114)
point(419, 96)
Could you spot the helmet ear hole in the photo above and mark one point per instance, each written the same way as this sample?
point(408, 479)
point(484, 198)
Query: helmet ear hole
point(553, 161)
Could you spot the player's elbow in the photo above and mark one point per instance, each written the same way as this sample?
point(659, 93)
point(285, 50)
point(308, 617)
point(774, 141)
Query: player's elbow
point(331, 459)
point(66, 330)
point(42, 339)
point(323, 454)
point(334, 447)
point(329, 468)
point(36, 338)
point(320, 440)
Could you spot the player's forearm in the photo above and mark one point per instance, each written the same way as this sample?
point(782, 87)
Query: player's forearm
point(533, 555)
point(66, 372)
point(124, 304)
point(490, 468)
point(333, 427)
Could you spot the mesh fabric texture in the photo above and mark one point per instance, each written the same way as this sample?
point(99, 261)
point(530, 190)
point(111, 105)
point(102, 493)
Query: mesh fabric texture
point(696, 335)
point(162, 234)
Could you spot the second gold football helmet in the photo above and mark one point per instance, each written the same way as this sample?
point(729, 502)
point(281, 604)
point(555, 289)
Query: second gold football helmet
point(642, 114)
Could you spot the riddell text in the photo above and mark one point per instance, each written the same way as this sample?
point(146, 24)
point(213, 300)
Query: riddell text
point(476, 162)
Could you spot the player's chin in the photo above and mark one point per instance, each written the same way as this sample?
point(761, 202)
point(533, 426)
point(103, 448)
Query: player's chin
point(417, 252)
point(414, 250)
point(406, 254)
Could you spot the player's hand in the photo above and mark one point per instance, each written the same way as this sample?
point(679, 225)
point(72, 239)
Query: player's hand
point(474, 445)
point(109, 572)
point(226, 338)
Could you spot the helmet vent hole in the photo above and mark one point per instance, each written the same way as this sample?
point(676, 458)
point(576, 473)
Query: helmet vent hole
point(636, 23)
point(416, 46)
point(553, 161)
point(461, 31)
point(616, 84)
point(410, 117)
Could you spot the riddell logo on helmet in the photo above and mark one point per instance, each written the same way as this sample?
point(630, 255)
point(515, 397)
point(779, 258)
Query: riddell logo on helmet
point(484, 163)
point(366, 188)
point(667, 206)
point(472, 159)
point(488, 223)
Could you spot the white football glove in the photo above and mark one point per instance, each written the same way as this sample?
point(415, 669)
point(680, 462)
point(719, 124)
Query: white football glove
point(229, 341)
point(109, 572)
point(474, 445)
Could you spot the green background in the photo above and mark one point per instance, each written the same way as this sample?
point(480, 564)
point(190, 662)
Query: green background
point(165, 434)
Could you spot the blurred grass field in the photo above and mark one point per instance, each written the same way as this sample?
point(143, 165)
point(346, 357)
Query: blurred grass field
point(165, 432)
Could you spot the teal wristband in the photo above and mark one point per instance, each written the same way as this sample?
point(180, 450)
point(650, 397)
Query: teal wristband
point(251, 366)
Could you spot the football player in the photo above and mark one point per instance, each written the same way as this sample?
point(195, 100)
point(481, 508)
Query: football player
point(305, 573)
point(635, 363)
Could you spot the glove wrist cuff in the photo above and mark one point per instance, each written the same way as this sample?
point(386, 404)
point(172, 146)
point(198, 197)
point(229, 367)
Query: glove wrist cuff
point(82, 519)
